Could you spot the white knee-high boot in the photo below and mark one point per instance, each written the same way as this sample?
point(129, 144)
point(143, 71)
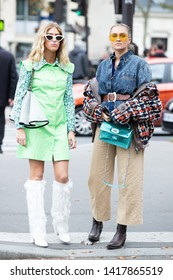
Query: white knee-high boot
point(36, 214)
point(61, 209)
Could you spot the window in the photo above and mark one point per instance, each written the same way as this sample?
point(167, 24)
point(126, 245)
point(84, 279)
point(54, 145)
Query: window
point(171, 73)
point(20, 8)
point(157, 72)
point(28, 9)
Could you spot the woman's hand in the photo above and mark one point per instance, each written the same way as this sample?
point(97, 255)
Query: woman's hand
point(71, 140)
point(21, 136)
point(106, 117)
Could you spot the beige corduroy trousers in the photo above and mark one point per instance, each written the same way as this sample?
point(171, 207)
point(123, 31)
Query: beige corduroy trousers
point(130, 167)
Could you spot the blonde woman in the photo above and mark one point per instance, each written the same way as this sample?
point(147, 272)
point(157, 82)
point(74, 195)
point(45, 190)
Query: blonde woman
point(52, 86)
point(118, 78)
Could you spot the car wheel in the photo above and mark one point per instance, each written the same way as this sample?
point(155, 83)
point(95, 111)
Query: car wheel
point(82, 126)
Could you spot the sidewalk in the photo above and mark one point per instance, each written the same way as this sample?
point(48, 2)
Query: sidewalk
point(139, 246)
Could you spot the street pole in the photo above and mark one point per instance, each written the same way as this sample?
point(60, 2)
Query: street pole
point(86, 30)
point(128, 7)
point(0, 18)
point(85, 13)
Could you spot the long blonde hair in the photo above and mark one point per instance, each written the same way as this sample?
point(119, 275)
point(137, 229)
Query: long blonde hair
point(37, 51)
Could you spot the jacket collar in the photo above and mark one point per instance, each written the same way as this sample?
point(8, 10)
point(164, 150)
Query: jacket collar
point(123, 57)
point(67, 68)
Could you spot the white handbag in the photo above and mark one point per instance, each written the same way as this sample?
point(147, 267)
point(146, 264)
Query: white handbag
point(31, 115)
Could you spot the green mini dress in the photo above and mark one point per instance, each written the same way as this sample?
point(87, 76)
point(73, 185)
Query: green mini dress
point(51, 141)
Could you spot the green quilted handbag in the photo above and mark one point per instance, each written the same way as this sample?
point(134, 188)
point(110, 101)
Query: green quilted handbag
point(116, 134)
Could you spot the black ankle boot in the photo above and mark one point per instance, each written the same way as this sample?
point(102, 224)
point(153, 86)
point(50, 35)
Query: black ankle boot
point(119, 238)
point(95, 232)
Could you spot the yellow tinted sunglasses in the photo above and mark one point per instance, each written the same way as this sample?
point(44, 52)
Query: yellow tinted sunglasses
point(121, 36)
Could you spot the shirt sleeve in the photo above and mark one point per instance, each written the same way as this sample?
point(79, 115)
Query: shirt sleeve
point(69, 104)
point(144, 74)
point(22, 85)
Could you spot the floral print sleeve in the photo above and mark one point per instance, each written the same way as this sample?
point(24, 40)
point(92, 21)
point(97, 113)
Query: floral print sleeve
point(69, 104)
point(22, 85)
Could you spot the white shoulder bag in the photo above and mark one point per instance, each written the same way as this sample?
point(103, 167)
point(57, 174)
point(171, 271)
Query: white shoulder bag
point(31, 115)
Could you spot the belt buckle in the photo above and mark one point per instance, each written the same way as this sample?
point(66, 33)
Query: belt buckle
point(114, 97)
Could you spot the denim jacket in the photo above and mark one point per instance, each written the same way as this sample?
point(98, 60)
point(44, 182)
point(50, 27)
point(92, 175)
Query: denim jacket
point(131, 73)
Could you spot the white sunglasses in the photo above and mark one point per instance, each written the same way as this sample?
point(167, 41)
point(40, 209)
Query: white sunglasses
point(56, 37)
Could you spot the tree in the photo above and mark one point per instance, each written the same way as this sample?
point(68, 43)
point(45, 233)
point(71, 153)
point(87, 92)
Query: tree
point(145, 10)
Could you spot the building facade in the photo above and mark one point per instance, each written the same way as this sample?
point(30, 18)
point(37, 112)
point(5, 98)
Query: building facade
point(22, 20)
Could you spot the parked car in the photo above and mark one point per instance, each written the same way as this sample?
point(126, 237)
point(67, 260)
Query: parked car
point(167, 120)
point(83, 127)
point(162, 75)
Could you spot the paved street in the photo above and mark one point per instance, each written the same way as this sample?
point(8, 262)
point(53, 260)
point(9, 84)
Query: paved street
point(152, 240)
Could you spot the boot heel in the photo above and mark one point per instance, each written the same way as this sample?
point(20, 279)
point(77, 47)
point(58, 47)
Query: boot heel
point(64, 237)
point(118, 239)
point(96, 231)
point(40, 242)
